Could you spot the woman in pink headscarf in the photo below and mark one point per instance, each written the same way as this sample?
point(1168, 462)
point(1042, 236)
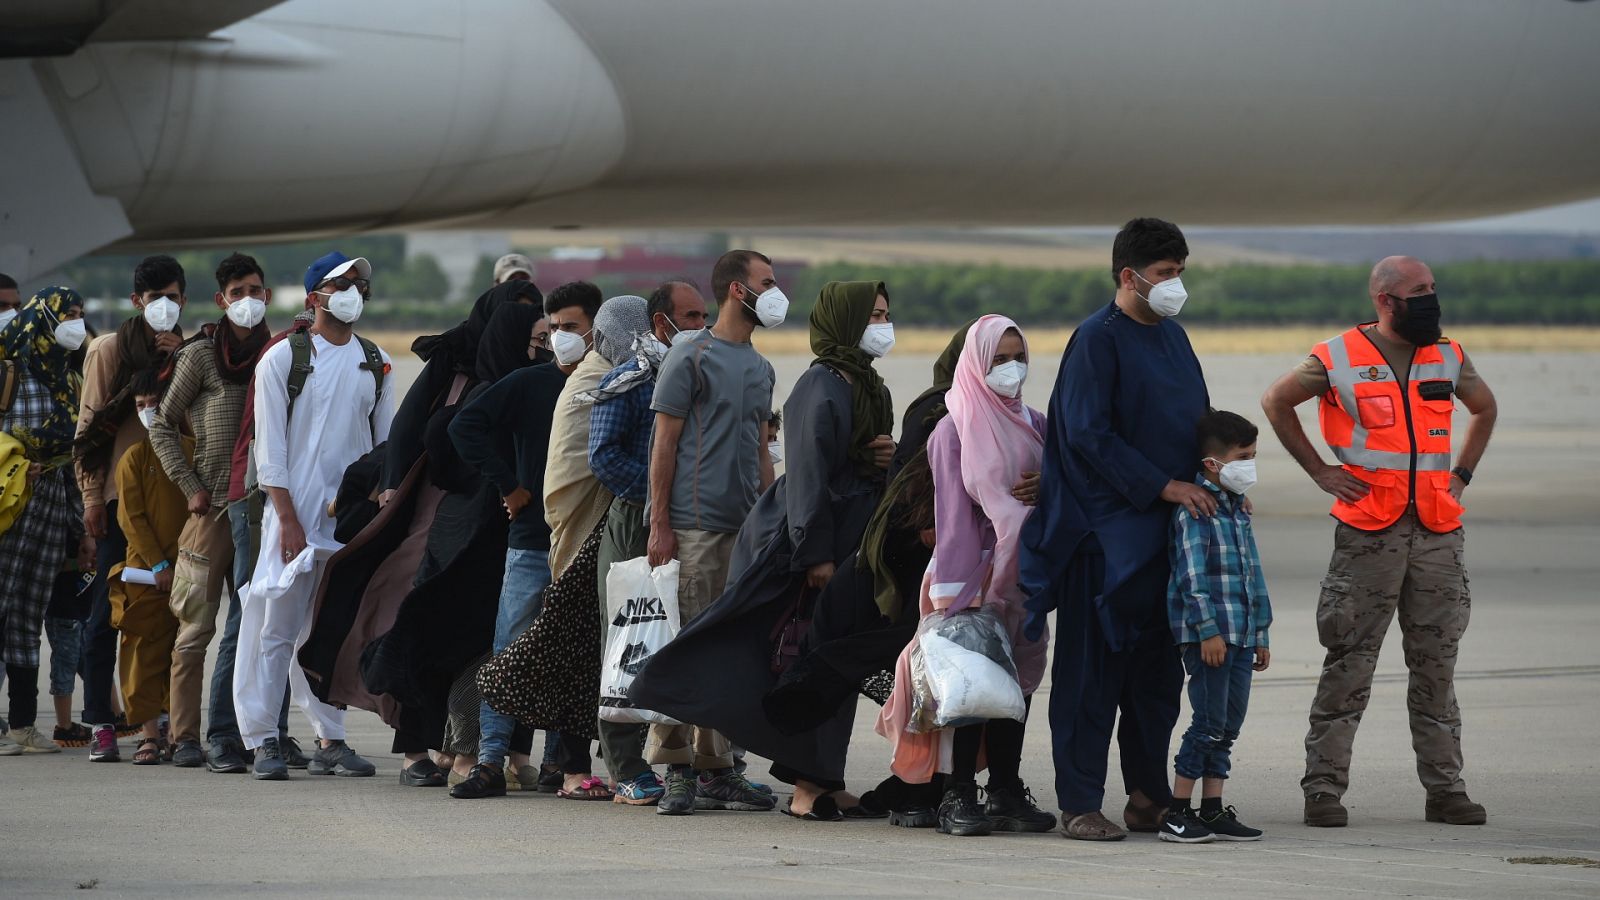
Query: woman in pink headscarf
point(981, 455)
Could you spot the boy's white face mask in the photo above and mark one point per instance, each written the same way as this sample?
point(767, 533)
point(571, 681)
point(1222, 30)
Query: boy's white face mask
point(1237, 476)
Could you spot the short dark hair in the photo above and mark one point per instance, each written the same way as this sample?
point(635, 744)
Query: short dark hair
point(156, 272)
point(7, 283)
point(660, 300)
point(731, 267)
point(574, 293)
point(146, 382)
point(238, 266)
point(1145, 241)
point(1219, 431)
point(776, 419)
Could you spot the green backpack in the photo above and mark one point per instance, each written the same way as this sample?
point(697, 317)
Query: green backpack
point(300, 369)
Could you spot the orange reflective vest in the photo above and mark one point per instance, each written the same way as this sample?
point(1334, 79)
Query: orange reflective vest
point(1394, 438)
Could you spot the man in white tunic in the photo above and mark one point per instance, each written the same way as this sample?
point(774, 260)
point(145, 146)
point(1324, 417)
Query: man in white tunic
point(302, 446)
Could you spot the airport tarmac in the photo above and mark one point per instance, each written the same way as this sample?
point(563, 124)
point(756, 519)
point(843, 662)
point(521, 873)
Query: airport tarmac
point(1528, 682)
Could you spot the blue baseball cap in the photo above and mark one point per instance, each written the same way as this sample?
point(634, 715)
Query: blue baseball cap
point(332, 266)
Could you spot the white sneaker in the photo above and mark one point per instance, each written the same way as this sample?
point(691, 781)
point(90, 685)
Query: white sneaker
point(29, 739)
point(9, 747)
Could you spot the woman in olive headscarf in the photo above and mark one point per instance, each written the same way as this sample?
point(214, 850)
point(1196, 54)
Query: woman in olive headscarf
point(40, 422)
point(715, 673)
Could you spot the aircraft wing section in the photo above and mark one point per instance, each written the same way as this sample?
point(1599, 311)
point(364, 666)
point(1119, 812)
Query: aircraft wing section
point(30, 28)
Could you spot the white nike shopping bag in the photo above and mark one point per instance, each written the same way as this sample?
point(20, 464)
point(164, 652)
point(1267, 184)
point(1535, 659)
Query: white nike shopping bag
point(643, 607)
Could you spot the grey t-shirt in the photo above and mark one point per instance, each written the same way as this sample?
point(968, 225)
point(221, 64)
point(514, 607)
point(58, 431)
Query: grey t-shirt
point(723, 392)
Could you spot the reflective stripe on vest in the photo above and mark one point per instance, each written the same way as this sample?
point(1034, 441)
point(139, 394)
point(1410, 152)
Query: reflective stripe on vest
point(1342, 378)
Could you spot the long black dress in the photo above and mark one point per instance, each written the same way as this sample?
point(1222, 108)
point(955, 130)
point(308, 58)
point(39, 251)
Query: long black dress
point(717, 671)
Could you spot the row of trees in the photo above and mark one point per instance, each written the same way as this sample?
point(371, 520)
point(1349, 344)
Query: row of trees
point(1556, 292)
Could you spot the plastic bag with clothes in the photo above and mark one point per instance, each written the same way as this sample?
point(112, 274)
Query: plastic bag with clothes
point(962, 672)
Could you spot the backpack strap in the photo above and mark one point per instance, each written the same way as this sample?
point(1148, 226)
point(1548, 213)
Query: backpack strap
point(300, 367)
point(379, 369)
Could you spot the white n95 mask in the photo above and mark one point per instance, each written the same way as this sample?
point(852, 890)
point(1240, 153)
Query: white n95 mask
point(346, 305)
point(248, 312)
point(569, 347)
point(6, 317)
point(1238, 476)
point(878, 339)
point(147, 417)
point(1006, 379)
point(775, 450)
point(162, 314)
point(71, 334)
point(771, 307)
point(1166, 298)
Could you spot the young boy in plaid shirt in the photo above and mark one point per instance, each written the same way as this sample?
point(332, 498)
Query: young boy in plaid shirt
point(1218, 608)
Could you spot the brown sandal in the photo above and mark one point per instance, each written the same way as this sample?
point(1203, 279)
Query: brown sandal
point(148, 753)
point(1091, 826)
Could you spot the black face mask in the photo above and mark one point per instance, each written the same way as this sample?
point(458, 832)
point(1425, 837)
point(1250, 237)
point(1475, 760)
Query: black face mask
point(1417, 319)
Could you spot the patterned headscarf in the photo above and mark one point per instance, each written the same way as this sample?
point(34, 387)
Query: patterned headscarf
point(30, 339)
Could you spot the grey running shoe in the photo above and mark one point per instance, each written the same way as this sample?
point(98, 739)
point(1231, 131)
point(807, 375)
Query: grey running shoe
point(680, 795)
point(338, 759)
point(733, 792)
point(269, 762)
point(293, 756)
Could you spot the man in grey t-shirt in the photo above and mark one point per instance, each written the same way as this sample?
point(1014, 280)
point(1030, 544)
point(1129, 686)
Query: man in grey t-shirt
point(708, 464)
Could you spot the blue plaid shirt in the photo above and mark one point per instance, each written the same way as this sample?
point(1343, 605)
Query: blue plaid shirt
point(1217, 587)
point(619, 438)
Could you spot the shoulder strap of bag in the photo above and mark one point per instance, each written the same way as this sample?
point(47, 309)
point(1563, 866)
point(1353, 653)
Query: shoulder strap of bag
point(300, 366)
point(10, 377)
point(375, 365)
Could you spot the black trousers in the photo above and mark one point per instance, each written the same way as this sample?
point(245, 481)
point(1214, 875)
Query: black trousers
point(1002, 739)
point(1091, 684)
point(99, 638)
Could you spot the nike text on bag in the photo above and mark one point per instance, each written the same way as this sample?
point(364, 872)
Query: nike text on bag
point(643, 607)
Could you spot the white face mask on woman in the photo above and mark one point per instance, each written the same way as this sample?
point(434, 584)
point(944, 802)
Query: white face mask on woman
point(1006, 379)
point(71, 334)
point(147, 417)
point(569, 346)
point(878, 339)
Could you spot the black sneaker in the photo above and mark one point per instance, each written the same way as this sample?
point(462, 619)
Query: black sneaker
point(550, 778)
point(1183, 826)
point(188, 755)
point(338, 759)
point(483, 781)
point(1226, 826)
point(960, 813)
point(293, 756)
point(1013, 809)
point(914, 817)
point(679, 798)
point(227, 758)
point(269, 762)
point(732, 792)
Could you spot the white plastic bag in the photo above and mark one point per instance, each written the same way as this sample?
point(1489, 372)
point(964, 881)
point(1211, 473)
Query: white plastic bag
point(968, 671)
point(642, 604)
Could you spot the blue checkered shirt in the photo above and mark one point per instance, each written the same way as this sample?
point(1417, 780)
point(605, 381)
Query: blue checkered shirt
point(619, 438)
point(1217, 587)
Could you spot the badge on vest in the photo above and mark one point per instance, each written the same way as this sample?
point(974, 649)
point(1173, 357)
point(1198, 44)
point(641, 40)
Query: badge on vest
point(1436, 390)
point(1373, 373)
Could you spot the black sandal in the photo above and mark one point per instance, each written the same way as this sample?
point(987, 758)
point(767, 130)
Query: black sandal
point(823, 809)
point(147, 757)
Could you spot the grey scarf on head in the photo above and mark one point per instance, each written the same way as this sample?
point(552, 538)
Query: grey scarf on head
point(619, 329)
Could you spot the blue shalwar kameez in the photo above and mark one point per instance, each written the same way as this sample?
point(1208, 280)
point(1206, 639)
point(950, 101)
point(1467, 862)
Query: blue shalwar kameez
point(1121, 425)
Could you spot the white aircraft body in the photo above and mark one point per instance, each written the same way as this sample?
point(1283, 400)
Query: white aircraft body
point(162, 123)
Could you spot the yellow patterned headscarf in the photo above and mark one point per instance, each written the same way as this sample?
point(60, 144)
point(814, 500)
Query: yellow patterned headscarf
point(30, 339)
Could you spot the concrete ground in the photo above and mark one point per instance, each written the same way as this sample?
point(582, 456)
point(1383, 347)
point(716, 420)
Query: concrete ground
point(1528, 682)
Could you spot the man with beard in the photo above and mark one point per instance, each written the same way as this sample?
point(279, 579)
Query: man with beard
point(1386, 393)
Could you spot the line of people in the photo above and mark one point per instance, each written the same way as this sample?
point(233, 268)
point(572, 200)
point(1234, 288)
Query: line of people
point(444, 561)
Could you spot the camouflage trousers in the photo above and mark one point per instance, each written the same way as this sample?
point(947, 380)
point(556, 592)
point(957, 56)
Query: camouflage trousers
point(1408, 569)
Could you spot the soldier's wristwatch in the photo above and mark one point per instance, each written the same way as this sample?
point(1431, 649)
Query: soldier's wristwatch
point(1463, 473)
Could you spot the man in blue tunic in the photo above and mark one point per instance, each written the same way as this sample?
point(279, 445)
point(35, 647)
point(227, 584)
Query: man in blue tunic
point(1119, 452)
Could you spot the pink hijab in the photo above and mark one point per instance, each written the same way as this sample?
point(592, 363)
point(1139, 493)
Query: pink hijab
point(999, 441)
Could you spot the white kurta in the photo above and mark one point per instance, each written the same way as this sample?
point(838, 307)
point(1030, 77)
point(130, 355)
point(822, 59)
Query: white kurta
point(337, 419)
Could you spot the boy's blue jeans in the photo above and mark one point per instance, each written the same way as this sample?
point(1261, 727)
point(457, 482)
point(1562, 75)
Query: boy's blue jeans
point(521, 597)
point(65, 654)
point(1219, 697)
